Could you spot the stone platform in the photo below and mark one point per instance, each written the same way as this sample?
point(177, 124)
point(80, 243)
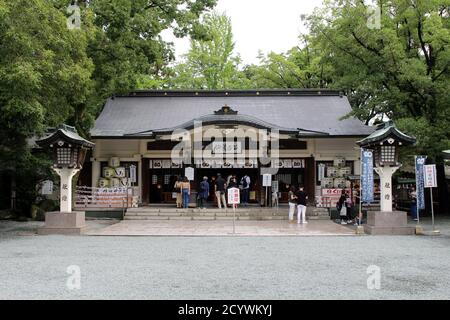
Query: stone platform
point(71, 223)
point(388, 223)
point(222, 228)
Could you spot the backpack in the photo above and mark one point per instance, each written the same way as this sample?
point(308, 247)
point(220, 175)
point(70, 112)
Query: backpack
point(244, 182)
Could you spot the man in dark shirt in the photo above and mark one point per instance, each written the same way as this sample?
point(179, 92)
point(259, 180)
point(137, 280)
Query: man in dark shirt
point(301, 205)
point(220, 187)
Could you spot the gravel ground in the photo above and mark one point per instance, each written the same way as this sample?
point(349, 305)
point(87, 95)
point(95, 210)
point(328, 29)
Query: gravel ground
point(35, 267)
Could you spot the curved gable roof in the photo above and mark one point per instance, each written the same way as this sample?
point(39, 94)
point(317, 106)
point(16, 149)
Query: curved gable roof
point(313, 111)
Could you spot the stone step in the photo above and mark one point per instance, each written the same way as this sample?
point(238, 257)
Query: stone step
point(207, 213)
point(199, 218)
point(145, 213)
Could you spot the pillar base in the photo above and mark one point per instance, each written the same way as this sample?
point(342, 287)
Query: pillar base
point(359, 230)
point(69, 223)
point(419, 229)
point(388, 223)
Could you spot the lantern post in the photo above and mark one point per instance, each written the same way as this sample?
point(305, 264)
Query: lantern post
point(385, 143)
point(69, 151)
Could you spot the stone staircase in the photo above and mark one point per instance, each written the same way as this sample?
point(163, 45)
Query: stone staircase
point(251, 213)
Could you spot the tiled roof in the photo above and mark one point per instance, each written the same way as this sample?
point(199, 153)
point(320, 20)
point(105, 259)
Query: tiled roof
point(315, 111)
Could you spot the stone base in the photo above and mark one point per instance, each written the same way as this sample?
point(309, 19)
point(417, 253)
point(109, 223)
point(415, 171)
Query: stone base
point(359, 230)
point(70, 223)
point(419, 230)
point(388, 223)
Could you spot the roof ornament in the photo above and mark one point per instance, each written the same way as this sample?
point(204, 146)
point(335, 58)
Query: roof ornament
point(225, 110)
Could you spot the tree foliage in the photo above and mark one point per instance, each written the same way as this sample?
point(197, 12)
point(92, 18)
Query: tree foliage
point(211, 62)
point(398, 68)
point(50, 73)
point(300, 67)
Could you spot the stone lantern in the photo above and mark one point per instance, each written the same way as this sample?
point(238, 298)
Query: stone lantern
point(385, 143)
point(69, 150)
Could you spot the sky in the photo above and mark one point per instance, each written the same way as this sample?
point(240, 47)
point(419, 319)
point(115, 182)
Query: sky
point(266, 25)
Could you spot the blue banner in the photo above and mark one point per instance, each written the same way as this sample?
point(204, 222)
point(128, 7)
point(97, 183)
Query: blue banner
point(366, 175)
point(420, 161)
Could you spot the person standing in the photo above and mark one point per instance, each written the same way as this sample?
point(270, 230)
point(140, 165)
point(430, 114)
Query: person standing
point(245, 182)
point(342, 207)
point(413, 197)
point(204, 192)
point(301, 205)
point(232, 183)
point(292, 200)
point(177, 188)
point(186, 191)
point(358, 219)
point(349, 205)
point(219, 188)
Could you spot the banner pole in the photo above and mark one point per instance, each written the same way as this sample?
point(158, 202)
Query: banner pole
point(360, 189)
point(234, 219)
point(432, 209)
point(417, 194)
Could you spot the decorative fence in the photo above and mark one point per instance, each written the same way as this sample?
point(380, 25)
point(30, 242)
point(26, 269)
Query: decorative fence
point(91, 197)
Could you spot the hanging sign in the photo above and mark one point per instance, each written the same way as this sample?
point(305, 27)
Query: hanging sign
point(189, 173)
point(267, 180)
point(47, 187)
point(367, 176)
point(429, 172)
point(133, 173)
point(419, 163)
point(157, 164)
point(298, 163)
point(166, 164)
point(321, 173)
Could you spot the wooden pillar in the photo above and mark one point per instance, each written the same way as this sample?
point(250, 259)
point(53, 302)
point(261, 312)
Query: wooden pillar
point(145, 173)
point(310, 178)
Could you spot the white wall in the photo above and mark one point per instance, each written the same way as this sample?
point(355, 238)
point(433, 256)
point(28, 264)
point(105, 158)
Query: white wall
point(328, 149)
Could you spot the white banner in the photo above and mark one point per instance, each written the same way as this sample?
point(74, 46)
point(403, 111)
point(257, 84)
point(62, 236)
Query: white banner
point(429, 171)
point(234, 196)
point(189, 173)
point(267, 180)
point(133, 173)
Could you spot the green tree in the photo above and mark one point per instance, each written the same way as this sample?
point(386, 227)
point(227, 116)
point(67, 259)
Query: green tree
point(300, 67)
point(50, 73)
point(126, 47)
point(44, 72)
point(398, 68)
point(211, 62)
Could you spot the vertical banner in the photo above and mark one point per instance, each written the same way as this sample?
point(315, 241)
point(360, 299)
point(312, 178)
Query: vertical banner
point(366, 176)
point(419, 163)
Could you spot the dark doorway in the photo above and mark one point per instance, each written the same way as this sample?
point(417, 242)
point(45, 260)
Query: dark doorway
point(162, 185)
point(226, 174)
